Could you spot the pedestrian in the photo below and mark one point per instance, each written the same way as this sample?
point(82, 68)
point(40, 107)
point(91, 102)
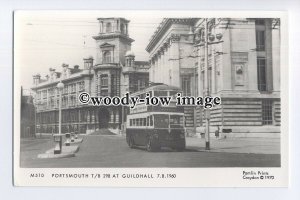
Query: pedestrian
point(217, 132)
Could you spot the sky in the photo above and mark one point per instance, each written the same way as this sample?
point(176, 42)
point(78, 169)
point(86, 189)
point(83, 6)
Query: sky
point(45, 40)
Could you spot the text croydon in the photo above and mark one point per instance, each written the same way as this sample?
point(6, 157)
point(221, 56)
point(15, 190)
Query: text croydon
point(132, 101)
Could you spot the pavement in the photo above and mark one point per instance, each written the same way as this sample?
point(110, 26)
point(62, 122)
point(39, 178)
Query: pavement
point(98, 151)
point(66, 152)
point(237, 145)
point(46, 145)
point(76, 141)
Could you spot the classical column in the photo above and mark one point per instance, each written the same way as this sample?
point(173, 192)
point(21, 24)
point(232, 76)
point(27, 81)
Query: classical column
point(101, 27)
point(226, 64)
point(175, 63)
point(109, 84)
point(276, 55)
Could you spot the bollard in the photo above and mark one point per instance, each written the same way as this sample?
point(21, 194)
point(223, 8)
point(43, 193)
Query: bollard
point(68, 135)
point(72, 136)
point(58, 143)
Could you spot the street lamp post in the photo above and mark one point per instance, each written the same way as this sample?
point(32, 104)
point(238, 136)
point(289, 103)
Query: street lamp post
point(206, 85)
point(58, 137)
point(60, 87)
point(206, 90)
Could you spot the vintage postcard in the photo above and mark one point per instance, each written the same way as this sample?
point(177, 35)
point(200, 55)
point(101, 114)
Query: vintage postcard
point(151, 99)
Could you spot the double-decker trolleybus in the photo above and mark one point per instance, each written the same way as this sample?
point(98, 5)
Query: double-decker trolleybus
point(156, 126)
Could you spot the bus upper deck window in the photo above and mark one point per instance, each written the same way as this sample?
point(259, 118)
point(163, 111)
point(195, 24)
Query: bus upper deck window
point(173, 94)
point(160, 93)
point(130, 122)
point(144, 121)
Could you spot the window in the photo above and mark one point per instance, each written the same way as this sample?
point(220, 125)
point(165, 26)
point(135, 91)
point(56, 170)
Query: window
point(173, 94)
point(123, 29)
point(104, 84)
point(161, 121)
point(142, 96)
point(114, 116)
point(108, 27)
point(114, 85)
point(267, 112)
point(186, 85)
point(51, 91)
point(106, 57)
point(261, 74)
point(141, 84)
point(260, 22)
point(160, 93)
point(39, 95)
point(260, 40)
point(65, 90)
point(73, 88)
point(44, 94)
point(81, 86)
point(176, 121)
point(134, 122)
point(104, 80)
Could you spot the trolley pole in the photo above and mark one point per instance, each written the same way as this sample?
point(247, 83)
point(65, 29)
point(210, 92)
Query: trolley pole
point(206, 84)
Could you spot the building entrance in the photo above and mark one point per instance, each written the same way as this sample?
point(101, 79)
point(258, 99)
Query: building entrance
point(103, 116)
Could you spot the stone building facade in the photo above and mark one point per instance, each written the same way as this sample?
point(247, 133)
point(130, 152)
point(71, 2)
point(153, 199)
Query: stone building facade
point(27, 116)
point(113, 72)
point(243, 68)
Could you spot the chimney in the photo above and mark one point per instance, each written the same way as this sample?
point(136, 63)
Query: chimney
point(76, 66)
point(36, 79)
point(51, 70)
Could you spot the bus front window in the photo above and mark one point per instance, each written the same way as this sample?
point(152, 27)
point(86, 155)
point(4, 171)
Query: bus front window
point(161, 121)
point(176, 121)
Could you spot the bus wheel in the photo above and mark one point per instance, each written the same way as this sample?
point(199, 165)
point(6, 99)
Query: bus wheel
point(152, 146)
point(131, 142)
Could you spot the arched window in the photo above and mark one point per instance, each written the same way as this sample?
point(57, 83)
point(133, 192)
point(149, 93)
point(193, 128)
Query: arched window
point(108, 27)
point(107, 57)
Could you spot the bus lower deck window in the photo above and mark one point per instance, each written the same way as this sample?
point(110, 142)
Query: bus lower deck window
point(151, 120)
point(161, 121)
point(176, 120)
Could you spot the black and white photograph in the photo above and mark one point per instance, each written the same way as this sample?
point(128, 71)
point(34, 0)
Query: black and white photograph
point(171, 92)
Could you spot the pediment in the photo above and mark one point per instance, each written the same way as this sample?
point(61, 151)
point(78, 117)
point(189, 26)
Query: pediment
point(104, 45)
